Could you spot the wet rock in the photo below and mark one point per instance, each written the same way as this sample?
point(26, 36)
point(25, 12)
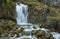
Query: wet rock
point(40, 34)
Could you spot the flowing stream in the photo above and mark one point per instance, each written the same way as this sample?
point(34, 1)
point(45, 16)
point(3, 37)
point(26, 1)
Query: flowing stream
point(22, 14)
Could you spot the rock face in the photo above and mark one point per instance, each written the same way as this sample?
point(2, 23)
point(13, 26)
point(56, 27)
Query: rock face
point(55, 3)
point(39, 12)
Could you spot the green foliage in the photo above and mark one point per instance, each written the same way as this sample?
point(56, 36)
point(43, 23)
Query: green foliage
point(34, 27)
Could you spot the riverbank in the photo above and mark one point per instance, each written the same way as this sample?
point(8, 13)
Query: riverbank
point(22, 31)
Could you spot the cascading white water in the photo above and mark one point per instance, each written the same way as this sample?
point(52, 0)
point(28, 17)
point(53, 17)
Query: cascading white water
point(56, 35)
point(21, 13)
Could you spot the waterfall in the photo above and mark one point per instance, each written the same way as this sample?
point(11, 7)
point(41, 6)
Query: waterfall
point(21, 13)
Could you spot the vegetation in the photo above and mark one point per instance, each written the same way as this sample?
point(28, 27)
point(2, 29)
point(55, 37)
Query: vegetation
point(34, 27)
